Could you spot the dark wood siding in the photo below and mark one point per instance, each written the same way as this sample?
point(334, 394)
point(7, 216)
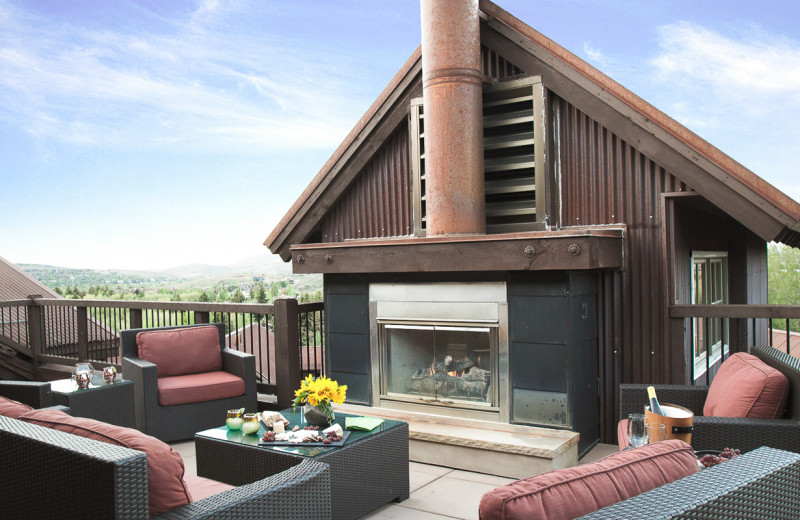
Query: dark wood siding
point(378, 203)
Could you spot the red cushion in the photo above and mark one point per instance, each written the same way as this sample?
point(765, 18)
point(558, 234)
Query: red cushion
point(204, 487)
point(181, 351)
point(622, 434)
point(165, 485)
point(12, 408)
point(195, 388)
point(572, 492)
point(745, 386)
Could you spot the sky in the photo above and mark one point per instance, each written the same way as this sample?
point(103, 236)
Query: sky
point(152, 134)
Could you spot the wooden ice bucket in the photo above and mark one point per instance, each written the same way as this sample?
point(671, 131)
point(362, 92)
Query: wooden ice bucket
point(679, 423)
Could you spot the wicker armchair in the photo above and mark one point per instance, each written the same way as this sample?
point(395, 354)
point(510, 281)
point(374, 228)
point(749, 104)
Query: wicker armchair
point(182, 421)
point(715, 433)
point(50, 474)
point(32, 393)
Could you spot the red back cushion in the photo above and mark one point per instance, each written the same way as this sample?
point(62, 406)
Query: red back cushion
point(181, 351)
point(572, 492)
point(12, 408)
point(745, 386)
point(165, 485)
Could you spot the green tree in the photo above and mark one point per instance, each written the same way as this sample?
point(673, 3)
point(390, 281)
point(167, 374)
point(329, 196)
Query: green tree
point(58, 290)
point(784, 279)
point(203, 296)
point(238, 296)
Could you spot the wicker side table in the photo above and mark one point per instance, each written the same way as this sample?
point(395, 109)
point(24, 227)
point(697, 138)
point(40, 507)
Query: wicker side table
point(112, 403)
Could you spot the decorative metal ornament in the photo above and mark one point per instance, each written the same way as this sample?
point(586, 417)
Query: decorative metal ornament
point(529, 251)
point(328, 259)
point(574, 249)
point(301, 258)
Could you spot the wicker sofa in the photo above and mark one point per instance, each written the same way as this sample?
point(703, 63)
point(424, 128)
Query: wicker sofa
point(53, 474)
point(32, 393)
point(182, 421)
point(715, 433)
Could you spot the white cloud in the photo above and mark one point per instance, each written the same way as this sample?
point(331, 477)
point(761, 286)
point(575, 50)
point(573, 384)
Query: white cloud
point(198, 88)
point(752, 63)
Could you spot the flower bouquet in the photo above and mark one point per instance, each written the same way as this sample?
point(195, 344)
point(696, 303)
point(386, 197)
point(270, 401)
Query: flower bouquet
point(317, 395)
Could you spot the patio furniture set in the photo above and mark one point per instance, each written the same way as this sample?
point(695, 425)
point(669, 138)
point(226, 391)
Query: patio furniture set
point(56, 465)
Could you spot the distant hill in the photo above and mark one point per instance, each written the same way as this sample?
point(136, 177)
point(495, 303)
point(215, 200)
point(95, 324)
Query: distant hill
point(199, 275)
point(266, 264)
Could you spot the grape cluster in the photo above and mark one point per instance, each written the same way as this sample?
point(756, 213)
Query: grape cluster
point(331, 437)
point(709, 460)
point(269, 436)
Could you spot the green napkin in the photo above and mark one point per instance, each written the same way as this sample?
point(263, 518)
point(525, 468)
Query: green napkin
point(365, 424)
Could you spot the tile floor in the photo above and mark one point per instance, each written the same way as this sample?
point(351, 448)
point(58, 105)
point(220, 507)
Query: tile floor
point(437, 493)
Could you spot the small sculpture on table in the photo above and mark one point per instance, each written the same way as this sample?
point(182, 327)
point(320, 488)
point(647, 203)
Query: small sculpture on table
point(109, 374)
point(82, 375)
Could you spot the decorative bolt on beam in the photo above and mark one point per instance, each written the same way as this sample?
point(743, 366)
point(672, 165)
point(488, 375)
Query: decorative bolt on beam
point(529, 251)
point(574, 249)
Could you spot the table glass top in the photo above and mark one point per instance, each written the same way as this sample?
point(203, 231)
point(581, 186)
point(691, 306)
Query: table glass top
point(66, 386)
point(295, 419)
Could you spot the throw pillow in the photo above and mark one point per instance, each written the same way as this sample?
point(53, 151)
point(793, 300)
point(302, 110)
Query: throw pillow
point(12, 408)
point(745, 386)
point(572, 492)
point(178, 352)
point(165, 485)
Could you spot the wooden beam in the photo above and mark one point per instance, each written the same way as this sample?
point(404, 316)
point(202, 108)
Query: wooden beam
point(478, 253)
point(667, 150)
point(745, 311)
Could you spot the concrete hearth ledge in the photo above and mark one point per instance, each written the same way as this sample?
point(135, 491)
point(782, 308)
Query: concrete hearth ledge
point(507, 450)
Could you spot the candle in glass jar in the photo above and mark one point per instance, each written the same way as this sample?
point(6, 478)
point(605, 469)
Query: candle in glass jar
point(250, 424)
point(234, 420)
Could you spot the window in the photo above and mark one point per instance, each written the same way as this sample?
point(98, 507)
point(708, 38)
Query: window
point(513, 147)
point(709, 287)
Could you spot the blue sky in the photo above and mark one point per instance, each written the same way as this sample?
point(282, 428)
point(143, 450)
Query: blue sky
point(151, 134)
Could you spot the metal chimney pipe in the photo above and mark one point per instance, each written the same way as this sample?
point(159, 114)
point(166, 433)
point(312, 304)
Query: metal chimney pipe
point(451, 90)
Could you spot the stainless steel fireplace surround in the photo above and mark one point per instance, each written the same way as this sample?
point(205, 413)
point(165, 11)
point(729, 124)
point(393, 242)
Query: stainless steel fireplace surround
point(440, 348)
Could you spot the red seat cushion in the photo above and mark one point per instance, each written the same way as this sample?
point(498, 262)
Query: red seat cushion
point(745, 386)
point(165, 485)
point(568, 493)
point(182, 351)
point(195, 388)
point(12, 408)
point(201, 488)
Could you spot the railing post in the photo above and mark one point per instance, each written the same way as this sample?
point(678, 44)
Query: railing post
point(202, 317)
point(136, 319)
point(287, 350)
point(35, 327)
point(82, 327)
point(679, 375)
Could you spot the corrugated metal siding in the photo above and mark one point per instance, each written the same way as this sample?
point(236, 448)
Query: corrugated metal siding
point(378, 203)
point(604, 180)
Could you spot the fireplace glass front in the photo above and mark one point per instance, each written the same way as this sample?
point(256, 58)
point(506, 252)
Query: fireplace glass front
point(440, 363)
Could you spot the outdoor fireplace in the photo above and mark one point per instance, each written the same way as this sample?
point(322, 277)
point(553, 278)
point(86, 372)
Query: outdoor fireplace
point(437, 347)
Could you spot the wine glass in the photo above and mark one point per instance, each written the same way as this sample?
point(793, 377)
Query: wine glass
point(655, 432)
point(637, 434)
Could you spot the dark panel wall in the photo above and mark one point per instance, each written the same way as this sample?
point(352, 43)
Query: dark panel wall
point(347, 328)
point(378, 203)
point(553, 340)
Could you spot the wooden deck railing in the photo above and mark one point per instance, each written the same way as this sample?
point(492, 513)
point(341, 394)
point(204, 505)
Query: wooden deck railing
point(748, 325)
point(44, 337)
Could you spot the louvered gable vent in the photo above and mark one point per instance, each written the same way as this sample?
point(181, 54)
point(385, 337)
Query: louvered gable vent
point(513, 143)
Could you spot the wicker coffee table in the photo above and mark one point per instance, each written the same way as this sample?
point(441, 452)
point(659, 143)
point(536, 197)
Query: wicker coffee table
point(112, 403)
point(370, 470)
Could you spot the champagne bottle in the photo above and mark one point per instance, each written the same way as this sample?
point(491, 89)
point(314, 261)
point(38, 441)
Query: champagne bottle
point(654, 406)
